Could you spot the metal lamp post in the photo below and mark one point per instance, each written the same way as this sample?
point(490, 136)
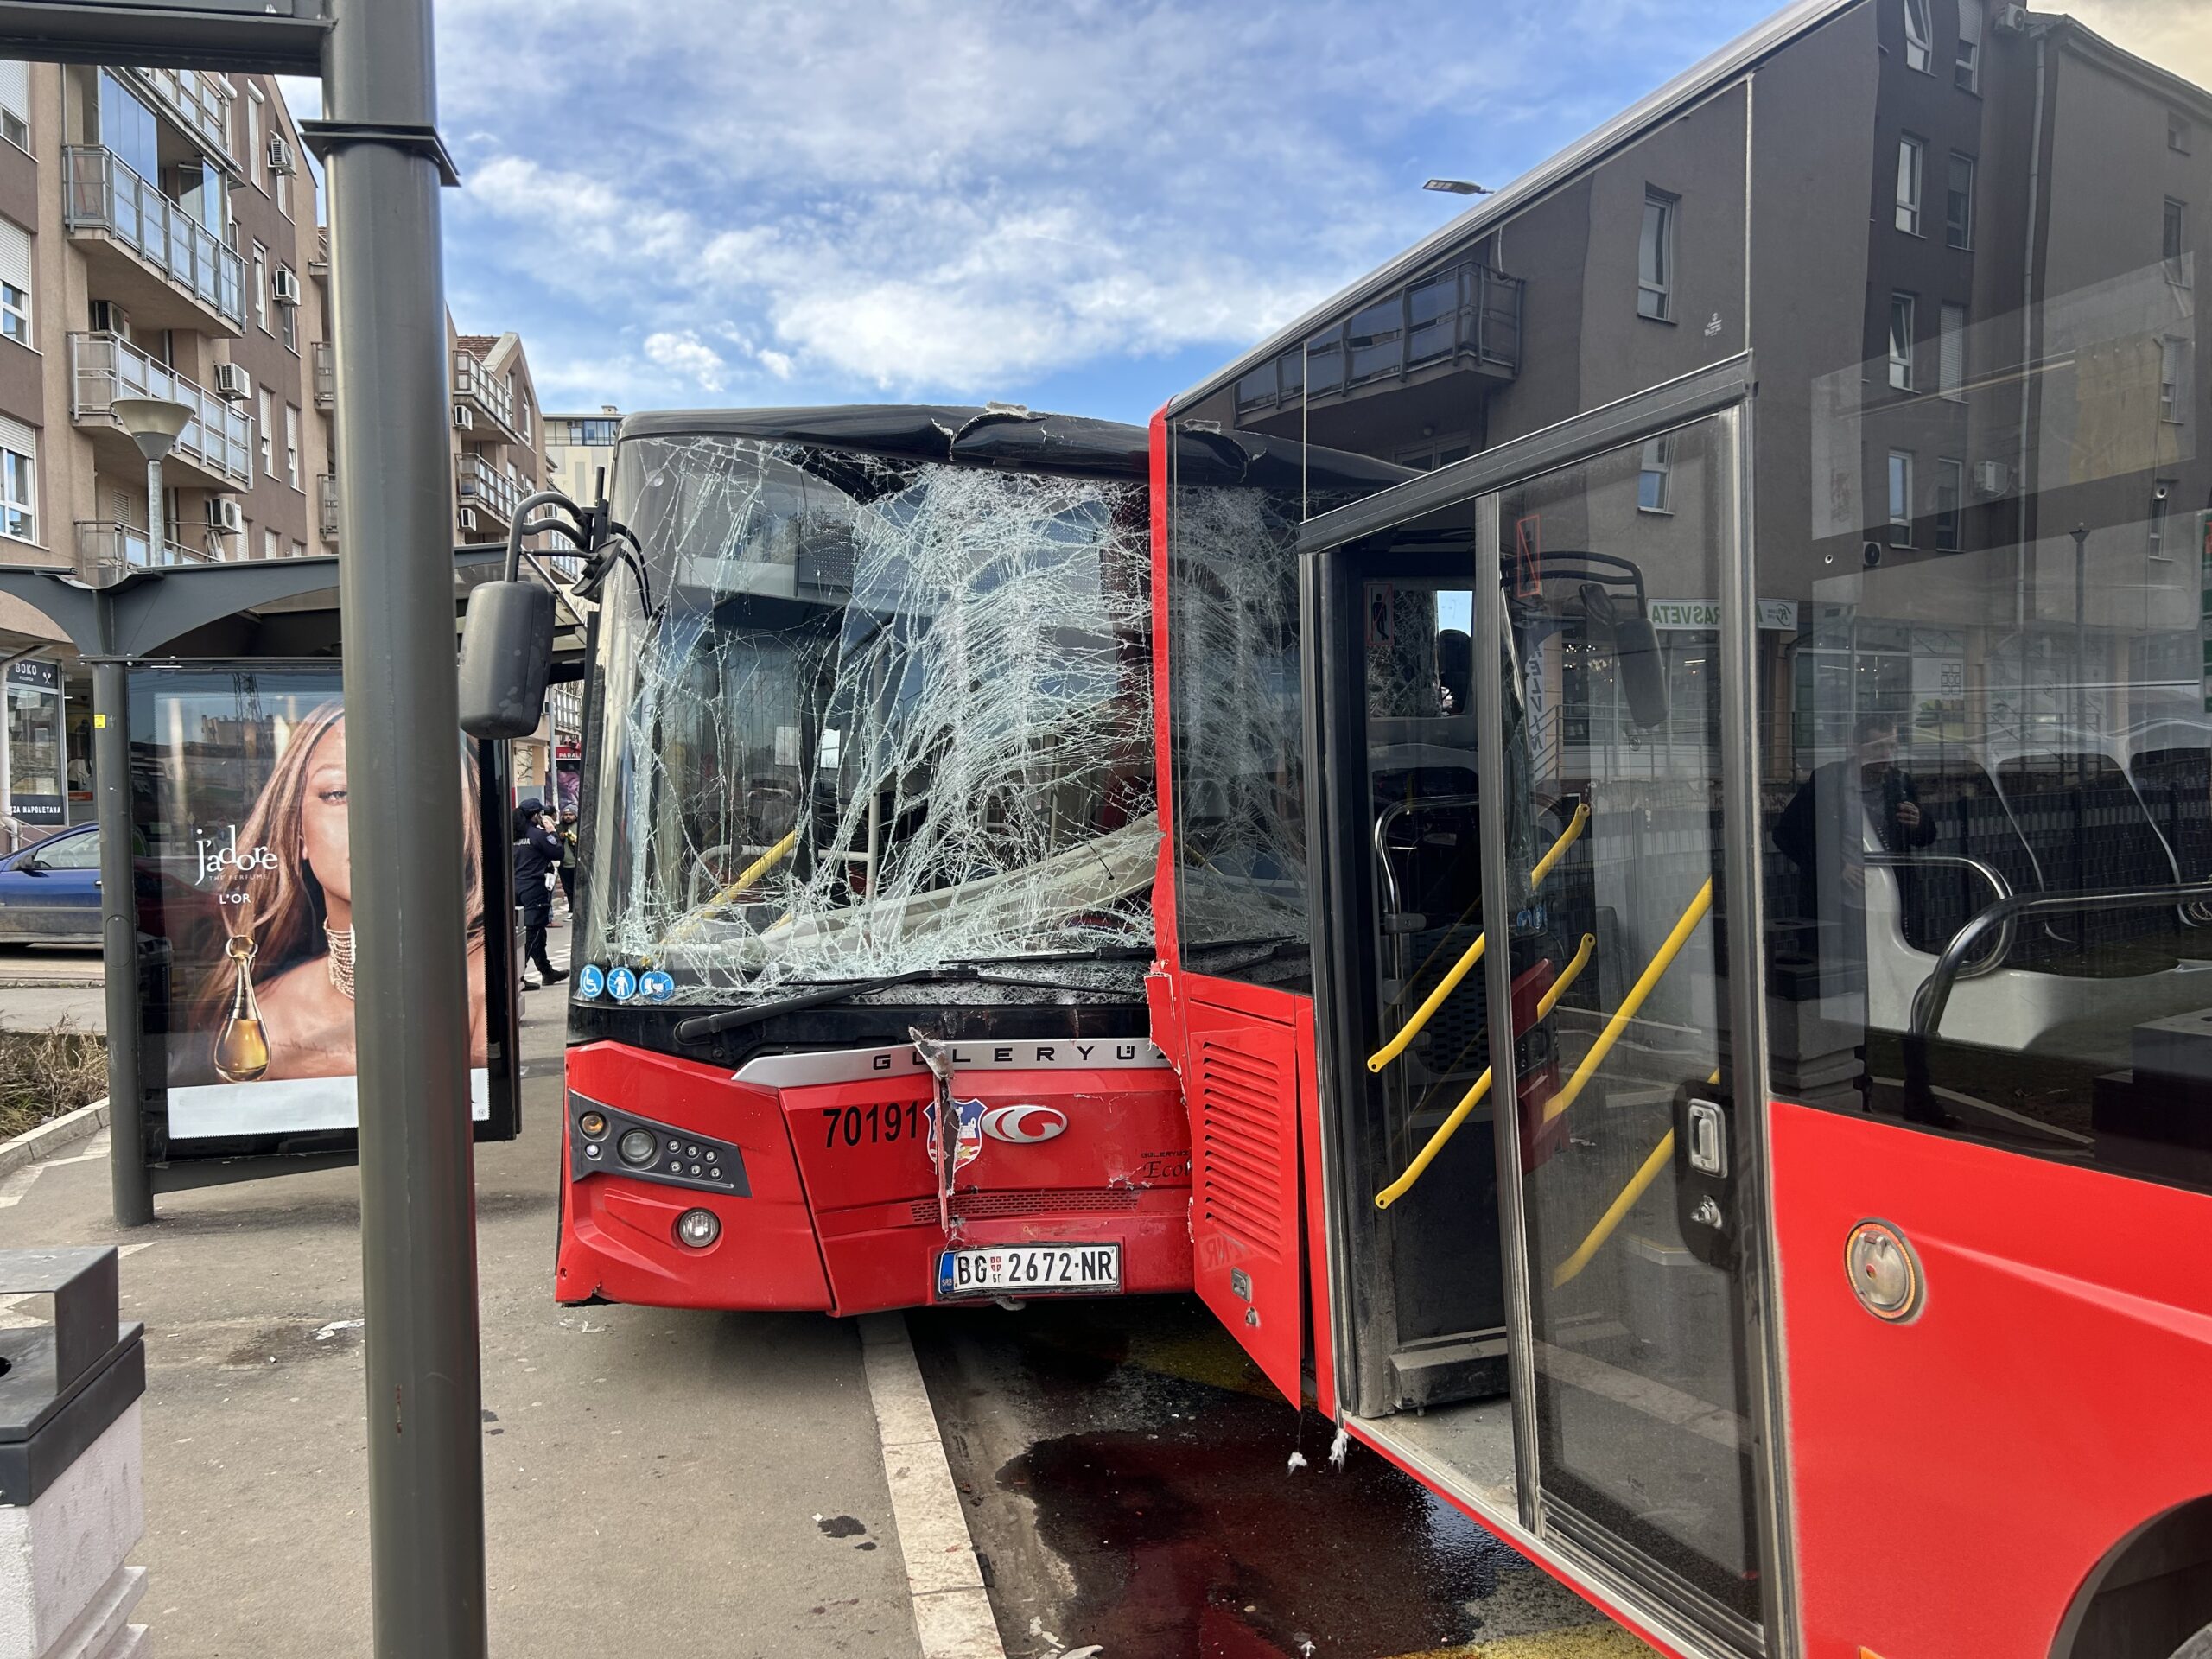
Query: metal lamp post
point(154, 424)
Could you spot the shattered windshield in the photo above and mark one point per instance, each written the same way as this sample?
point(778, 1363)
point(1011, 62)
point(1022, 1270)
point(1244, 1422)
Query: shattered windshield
point(885, 715)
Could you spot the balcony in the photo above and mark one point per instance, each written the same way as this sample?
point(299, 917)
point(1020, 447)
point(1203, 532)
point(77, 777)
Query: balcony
point(167, 270)
point(107, 552)
point(326, 374)
point(490, 491)
point(198, 103)
point(215, 451)
point(1467, 317)
point(325, 497)
point(486, 395)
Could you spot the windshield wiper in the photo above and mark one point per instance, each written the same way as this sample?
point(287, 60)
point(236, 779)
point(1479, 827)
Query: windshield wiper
point(698, 1029)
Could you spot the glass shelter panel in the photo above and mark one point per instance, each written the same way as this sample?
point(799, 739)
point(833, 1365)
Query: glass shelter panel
point(1612, 823)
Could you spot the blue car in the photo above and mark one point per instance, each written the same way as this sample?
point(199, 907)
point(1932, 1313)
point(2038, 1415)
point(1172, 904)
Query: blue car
point(50, 892)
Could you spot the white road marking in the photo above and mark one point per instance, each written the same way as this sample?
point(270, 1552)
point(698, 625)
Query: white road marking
point(952, 1612)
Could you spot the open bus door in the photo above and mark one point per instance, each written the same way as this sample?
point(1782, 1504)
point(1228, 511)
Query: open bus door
point(1541, 1186)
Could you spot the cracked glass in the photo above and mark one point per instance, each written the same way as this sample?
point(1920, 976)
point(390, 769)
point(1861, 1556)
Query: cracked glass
point(884, 716)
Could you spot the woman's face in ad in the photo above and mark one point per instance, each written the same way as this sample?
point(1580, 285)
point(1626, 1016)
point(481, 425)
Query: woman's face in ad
point(322, 814)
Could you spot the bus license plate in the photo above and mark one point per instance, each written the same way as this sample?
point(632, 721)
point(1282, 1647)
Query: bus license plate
point(1028, 1270)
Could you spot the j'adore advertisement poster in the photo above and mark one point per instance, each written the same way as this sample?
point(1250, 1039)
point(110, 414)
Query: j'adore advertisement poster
point(240, 802)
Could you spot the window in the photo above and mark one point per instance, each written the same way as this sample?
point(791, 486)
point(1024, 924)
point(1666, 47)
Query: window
point(2177, 135)
point(1655, 270)
point(1950, 497)
point(268, 543)
point(2173, 380)
point(1919, 39)
point(284, 193)
point(261, 286)
point(1958, 203)
point(2174, 245)
point(268, 437)
point(15, 102)
point(1912, 156)
point(1900, 498)
point(288, 328)
point(2162, 498)
point(1966, 72)
point(1951, 371)
point(14, 282)
point(299, 550)
point(129, 130)
point(292, 444)
point(1903, 309)
point(18, 481)
point(1655, 478)
point(257, 152)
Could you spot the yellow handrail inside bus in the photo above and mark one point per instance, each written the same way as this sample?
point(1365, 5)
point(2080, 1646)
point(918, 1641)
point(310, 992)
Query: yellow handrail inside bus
point(752, 872)
point(1398, 1189)
point(1618, 1210)
point(1450, 982)
point(1627, 1011)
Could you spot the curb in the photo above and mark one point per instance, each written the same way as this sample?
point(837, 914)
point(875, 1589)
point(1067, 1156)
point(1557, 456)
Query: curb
point(35, 1146)
point(952, 1611)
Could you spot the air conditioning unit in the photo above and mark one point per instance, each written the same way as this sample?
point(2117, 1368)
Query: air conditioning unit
point(225, 515)
point(1993, 477)
point(284, 286)
point(468, 518)
point(2012, 20)
point(232, 382)
point(280, 156)
point(109, 318)
point(464, 418)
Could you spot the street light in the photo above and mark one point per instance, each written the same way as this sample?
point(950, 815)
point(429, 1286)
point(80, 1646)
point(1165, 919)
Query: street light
point(154, 424)
point(1457, 187)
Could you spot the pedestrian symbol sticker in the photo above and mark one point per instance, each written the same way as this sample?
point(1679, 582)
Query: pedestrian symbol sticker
point(592, 981)
point(621, 984)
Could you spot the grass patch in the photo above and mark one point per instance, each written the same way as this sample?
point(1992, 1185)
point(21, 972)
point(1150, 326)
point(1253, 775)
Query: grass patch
point(45, 1073)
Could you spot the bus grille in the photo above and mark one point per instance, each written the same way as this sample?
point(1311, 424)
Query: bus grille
point(993, 1206)
point(1239, 1128)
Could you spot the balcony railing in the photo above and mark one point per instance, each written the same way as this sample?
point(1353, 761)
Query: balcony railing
point(475, 384)
point(326, 496)
point(103, 367)
point(106, 550)
point(326, 374)
point(482, 486)
point(102, 193)
point(1468, 316)
point(199, 103)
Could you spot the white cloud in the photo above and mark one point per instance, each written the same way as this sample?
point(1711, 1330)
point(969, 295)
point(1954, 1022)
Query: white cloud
point(688, 355)
point(895, 197)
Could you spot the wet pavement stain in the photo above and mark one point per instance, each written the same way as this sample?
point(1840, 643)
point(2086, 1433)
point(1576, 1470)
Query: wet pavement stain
point(1150, 1461)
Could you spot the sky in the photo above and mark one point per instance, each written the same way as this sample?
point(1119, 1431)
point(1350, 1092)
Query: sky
point(1078, 205)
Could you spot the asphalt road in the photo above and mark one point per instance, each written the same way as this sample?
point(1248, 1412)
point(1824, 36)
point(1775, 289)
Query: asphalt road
point(1130, 1484)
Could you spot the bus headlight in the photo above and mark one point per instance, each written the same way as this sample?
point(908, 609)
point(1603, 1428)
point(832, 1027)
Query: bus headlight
point(593, 1125)
point(698, 1228)
point(638, 1147)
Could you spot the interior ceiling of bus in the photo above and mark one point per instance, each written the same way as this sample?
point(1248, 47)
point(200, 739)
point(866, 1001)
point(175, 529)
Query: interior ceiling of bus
point(979, 786)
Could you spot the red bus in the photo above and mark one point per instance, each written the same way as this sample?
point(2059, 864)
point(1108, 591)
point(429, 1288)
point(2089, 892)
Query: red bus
point(858, 1017)
point(1687, 925)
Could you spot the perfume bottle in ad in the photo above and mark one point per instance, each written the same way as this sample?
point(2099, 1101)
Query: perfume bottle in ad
point(242, 1046)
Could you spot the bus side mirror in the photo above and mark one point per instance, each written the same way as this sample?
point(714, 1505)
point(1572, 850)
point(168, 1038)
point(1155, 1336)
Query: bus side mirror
point(507, 658)
point(1642, 676)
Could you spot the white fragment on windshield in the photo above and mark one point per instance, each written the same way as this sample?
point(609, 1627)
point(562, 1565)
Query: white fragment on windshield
point(893, 716)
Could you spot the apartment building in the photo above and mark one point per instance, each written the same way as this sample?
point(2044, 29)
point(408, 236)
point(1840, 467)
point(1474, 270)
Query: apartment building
point(577, 447)
point(154, 228)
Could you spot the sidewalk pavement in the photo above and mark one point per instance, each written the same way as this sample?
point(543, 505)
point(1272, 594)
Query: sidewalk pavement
point(656, 1482)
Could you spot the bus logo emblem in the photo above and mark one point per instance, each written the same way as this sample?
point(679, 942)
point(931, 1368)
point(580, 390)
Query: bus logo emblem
point(1025, 1125)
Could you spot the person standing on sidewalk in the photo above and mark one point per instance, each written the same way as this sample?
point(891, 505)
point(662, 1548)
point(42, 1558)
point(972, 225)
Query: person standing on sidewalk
point(538, 856)
point(568, 834)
